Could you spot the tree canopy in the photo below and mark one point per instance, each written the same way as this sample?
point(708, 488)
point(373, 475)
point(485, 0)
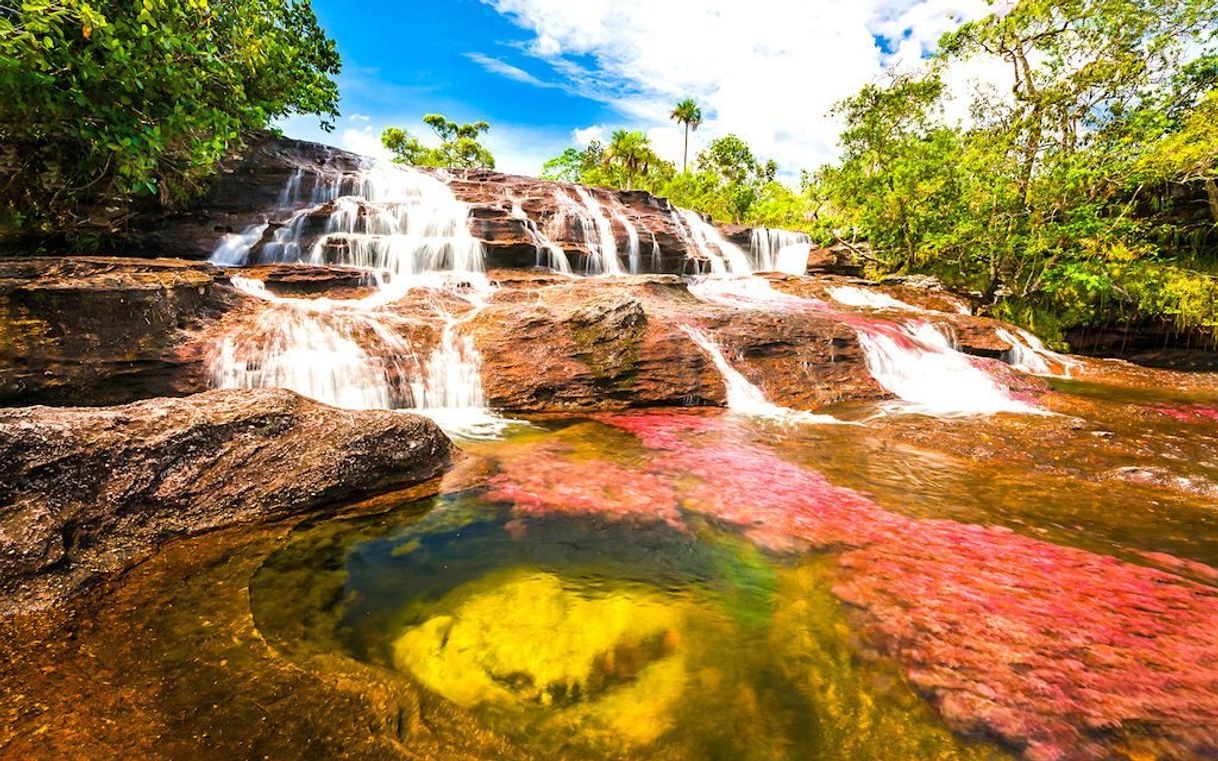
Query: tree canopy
point(1083, 191)
point(111, 102)
point(459, 146)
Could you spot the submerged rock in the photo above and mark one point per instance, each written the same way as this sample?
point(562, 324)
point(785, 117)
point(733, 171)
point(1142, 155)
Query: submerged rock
point(85, 491)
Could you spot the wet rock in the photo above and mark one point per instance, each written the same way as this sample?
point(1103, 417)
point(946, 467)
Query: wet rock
point(509, 214)
point(86, 330)
point(587, 344)
point(88, 491)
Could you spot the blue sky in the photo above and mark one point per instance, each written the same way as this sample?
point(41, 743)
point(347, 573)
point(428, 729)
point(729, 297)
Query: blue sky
point(552, 73)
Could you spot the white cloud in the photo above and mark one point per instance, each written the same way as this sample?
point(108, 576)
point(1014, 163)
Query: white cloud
point(504, 69)
point(767, 70)
point(365, 141)
point(588, 134)
point(359, 118)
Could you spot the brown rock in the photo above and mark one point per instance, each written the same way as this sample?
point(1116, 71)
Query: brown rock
point(87, 491)
point(608, 344)
point(102, 331)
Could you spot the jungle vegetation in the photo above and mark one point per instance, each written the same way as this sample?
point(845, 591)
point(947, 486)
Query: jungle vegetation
point(109, 104)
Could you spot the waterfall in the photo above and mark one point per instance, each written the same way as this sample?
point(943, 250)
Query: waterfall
point(397, 222)
point(867, 298)
point(1028, 353)
point(595, 228)
point(449, 390)
point(724, 257)
point(555, 258)
point(743, 397)
point(408, 230)
point(916, 363)
point(633, 247)
point(317, 348)
point(779, 251)
point(234, 248)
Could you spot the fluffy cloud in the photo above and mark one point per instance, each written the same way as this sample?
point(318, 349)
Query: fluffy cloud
point(767, 70)
point(365, 141)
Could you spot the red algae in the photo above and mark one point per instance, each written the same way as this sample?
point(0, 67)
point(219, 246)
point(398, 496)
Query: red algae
point(1056, 651)
point(1186, 413)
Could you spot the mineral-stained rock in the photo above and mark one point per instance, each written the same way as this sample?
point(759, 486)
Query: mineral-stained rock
point(87, 491)
point(101, 331)
point(555, 344)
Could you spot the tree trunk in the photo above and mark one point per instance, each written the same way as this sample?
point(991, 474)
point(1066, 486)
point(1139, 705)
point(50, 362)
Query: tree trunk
point(685, 156)
point(1211, 192)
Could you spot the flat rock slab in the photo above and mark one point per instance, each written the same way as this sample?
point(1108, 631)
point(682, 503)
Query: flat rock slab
point(88, 491)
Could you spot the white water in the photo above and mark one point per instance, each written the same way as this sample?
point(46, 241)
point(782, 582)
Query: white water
point(633, 247)
point(409, 231)
point(779, 251)
point(743, 293)
point(595, 228)
point(1029, 354)
point(397, 222)
point(555, 258)
point(724, 257)
point(743, 397)
point(317, 348)
point(868, 298)
point(919, 366)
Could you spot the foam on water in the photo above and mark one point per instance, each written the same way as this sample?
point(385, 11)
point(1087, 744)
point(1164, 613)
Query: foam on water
point(917, 363)
point(1029, 354)
point(868, 298)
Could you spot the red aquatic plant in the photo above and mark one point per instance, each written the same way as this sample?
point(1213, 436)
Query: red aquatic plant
point(1055, 650)
point(1186, 413)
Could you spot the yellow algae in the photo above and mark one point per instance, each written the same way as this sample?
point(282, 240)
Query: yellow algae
point(525, 638)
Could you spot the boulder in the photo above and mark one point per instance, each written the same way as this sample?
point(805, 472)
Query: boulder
point(88, 330)
point(88, 491)
point(595, 344)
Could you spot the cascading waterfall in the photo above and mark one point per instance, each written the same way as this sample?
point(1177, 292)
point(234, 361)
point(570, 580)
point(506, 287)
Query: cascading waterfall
point(322, 349)
point(633, 247)
point(724, 257)
point(396, 222)
point(779, 251)
point(743, 397)
point(595, 228)
point(916, 363)
point(1029, 354)
point(408, 230)
point(555, 258)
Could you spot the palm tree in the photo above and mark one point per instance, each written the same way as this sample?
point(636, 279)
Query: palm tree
point(687, 113)
point(632, 151)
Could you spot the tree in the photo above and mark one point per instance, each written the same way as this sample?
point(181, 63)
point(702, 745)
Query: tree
point(112, 103)
point(739, 174)
point(631, 152)
point(1080, 194)
point(459, 146)
point(688, 114)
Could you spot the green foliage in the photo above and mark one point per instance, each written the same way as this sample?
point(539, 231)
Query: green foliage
point(1087, 193)
point(112, 101)
point(730, 182)
point(459, 146)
